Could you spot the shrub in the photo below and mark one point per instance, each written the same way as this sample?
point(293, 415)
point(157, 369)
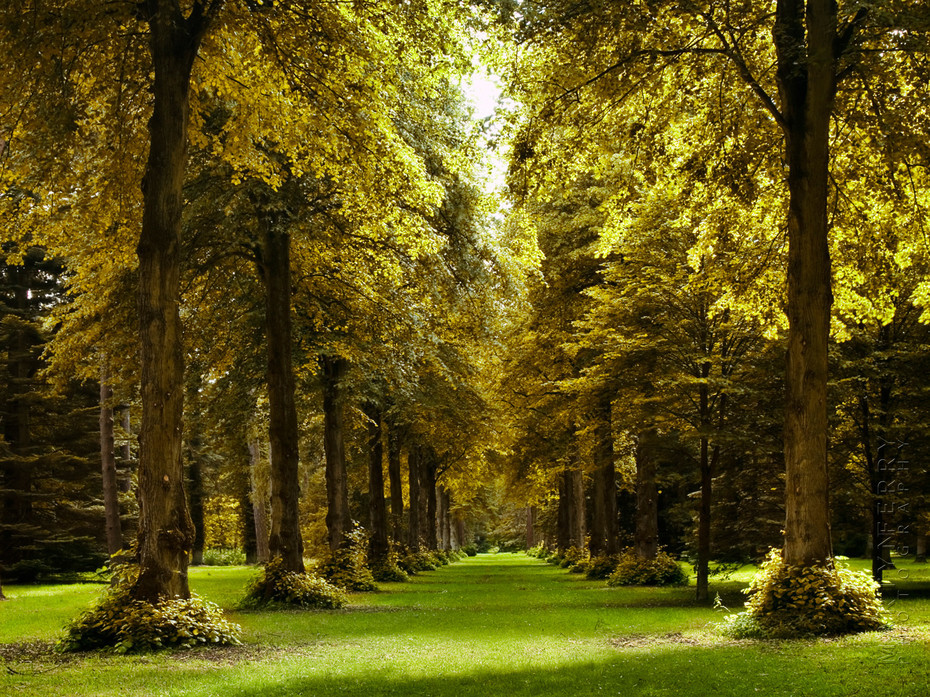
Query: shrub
point(788, 601)
point(275, 586)
point(471, 550)
point(601, 567)
point(388, 569)
point(571, 556)
point(124, 625)
point(634, 570)
point(348, 567)
point(539, 551)
point(223, 557)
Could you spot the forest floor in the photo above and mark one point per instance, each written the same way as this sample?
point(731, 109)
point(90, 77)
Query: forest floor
point(502, 624)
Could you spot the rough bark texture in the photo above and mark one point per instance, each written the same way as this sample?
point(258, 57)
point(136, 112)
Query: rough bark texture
point(397, 486)
point(805, 40)
point(108, 466)
point(460, 532)
point(259, 508)
point(284, 540)
point(377, 510)
point(338, 519)
point(165, 533)
point(413, 479)
point(646, 536)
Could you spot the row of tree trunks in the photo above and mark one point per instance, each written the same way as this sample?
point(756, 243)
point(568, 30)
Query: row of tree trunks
point(413, 485)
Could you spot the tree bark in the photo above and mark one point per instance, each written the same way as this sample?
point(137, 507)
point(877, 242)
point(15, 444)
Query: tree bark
point(806, 41)
point(576, 514)
point(530, 527)
point(195, 476)
point(108, 465)
point(460, 531)
point(377, 510)
point(646, 535)
point(397, 487)
point(429, 492)
point(413, 483)
point(605, 527)
point(284, 540)
point(259, 506)
point(445, 520)
point(165, 534)
point(338, 519)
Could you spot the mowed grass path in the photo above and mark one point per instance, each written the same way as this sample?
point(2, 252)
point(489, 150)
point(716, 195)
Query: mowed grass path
point(491, 625)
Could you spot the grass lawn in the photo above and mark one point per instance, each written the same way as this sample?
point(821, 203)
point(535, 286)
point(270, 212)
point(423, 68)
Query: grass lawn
point(490, 625)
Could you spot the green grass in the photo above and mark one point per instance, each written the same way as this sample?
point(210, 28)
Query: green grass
point(493, 624)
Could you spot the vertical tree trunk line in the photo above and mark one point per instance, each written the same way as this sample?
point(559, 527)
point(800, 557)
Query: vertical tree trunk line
point(805, 42)
point(397, 487)
point(413, 483)
point(429, 493)
point(108, 465)
point(646, 535)
point(165, 533)
point(259, 505)
point(196, 499)
point(605, 525)
point(284, 540)
point(338, 518)
point(377, 510)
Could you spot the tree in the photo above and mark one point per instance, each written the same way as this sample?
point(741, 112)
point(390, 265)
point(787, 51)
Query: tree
point(813, 46)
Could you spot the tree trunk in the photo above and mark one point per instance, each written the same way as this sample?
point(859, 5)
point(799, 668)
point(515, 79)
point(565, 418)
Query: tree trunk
point(646, 535)
point(605, 527)
point(108, 465)
point(377, 510)
point(563, 514)
point(259, 505)
point(249, 540)
point(460, 531)
point(413, 483)
point(165, 534)
point(397, 486)
point(338, 519)
point(576, 510)
point(125, 482)
point(429, 491)
point(921, 552)
point(530, 527)
point(445, 520)
point(195, 475)
point(805, 40)
point(284, 540)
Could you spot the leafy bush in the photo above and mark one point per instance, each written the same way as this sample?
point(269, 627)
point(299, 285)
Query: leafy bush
point(471, 550)
point(388, 569)
point(348, 567)
point(122, 624)
point(601, 567)
point(275, 586)
point(539, 551)
point(572, 556)
point(223, 557)
point(634, 570)
point(788, 601)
